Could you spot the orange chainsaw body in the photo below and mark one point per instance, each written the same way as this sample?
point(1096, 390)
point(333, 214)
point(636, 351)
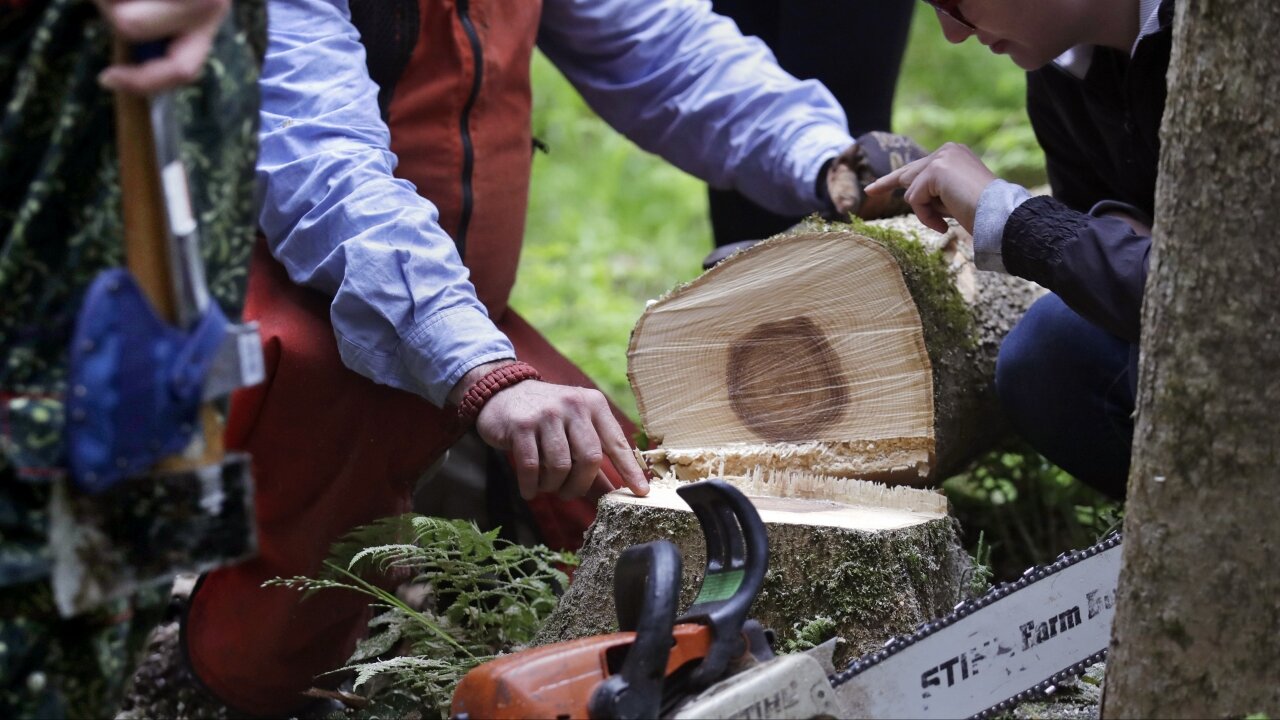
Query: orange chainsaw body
point(556, 681)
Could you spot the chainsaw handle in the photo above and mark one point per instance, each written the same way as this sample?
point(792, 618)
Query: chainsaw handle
point(646, 589)
point(626, 674)
point(737, 558)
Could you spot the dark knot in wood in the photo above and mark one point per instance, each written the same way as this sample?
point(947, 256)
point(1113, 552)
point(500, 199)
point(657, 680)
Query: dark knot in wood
point(784, 381)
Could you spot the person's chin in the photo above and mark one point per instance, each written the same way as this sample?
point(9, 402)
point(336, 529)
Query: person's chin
point(1027, 60)
point(1018, 55)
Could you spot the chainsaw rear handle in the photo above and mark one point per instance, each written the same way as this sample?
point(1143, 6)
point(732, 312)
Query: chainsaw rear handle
point(646, 586)
point(627, 674)
point(737, 558)
point(646, 590)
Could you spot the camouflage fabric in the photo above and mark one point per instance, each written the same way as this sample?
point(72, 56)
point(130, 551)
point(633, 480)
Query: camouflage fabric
point(55, 667)
point(59, 227)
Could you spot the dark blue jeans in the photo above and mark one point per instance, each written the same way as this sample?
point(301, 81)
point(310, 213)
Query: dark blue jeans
point(1068, 387)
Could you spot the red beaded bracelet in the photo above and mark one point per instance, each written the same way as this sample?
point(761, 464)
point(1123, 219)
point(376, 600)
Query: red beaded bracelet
point(497, 379)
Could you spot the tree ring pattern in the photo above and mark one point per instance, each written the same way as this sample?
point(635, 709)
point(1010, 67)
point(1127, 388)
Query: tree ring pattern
point(784, 381)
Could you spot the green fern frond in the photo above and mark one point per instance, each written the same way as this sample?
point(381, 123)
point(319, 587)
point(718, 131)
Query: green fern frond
point(385, 630)
point(385, 556)
point(403, 664)
point(478, 595)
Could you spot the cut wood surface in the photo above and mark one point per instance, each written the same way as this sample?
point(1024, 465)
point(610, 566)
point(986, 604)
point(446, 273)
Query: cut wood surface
point(862, 351)
point(875, 564)
point(810, 344)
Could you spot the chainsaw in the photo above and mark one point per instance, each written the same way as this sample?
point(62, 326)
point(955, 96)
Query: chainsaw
point(1015, 643)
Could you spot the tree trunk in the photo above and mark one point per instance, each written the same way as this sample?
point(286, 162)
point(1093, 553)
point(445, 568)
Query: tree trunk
point(796, 370)
point(1198, 616)
point(868, 568)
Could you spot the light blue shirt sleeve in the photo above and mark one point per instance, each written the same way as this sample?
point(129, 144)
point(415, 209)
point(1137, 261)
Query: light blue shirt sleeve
point(996, 203)
point(404, 312)
point(682, 82)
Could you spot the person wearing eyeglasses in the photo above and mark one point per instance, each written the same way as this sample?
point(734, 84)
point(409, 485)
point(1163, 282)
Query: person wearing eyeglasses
point(1067, 373)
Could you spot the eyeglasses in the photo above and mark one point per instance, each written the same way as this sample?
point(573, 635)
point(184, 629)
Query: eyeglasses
point(951, 8)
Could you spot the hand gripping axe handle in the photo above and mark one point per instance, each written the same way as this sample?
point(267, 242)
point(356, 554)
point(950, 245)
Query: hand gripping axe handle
point(141, 511)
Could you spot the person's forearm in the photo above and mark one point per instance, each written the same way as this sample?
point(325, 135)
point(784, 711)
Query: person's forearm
point(403, 310)
point(1097, 265)
point(682, 82)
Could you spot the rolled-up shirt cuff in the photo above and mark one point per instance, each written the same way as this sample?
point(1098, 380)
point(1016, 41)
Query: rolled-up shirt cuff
point(997, 202)
point(804, 162)
point(435, 356)
point(441, 351)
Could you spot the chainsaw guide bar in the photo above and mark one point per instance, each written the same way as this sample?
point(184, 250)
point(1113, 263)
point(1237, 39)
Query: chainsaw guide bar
point(1014, 644)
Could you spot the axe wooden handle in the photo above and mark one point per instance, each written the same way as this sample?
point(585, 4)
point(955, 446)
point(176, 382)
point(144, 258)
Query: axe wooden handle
point(146, 241)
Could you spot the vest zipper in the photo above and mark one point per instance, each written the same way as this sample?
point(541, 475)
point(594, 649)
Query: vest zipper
point(468, 150)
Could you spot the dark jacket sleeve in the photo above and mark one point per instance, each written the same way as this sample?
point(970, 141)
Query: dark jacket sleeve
point(1097, 265)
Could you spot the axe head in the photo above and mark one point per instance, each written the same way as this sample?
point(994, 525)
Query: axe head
point(146, 529)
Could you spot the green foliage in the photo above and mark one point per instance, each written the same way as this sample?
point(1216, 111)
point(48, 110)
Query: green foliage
point(1027, 508)
point(981, 573)
point(810, 635)
point(475, 596)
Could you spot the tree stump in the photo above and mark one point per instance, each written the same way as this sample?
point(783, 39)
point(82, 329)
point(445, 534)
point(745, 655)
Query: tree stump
point(798, 370)
point(874, 565)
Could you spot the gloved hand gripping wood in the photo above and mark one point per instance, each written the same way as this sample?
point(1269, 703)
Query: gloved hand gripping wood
point(874, 155)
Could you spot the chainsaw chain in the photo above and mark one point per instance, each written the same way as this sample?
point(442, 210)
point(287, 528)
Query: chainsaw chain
point(968, 607)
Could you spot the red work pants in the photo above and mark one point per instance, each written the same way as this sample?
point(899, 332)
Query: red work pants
point(331, 450)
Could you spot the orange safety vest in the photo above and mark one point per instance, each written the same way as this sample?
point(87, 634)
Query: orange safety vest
point(455, 93)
